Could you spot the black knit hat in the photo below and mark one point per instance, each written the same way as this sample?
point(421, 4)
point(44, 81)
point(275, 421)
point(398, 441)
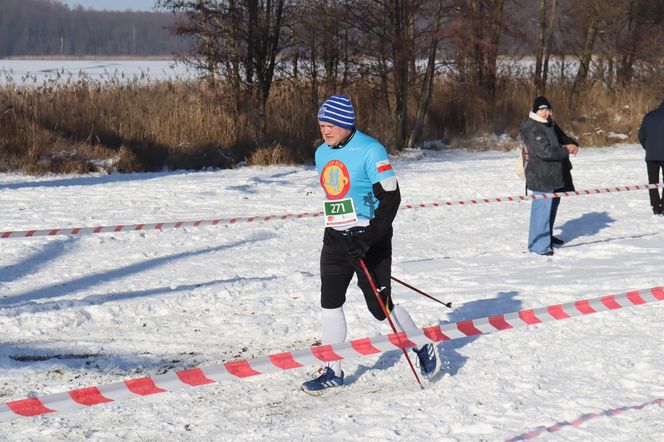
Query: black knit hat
point(541, 103)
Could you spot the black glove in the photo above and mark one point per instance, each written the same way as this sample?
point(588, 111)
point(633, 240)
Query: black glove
point(358, 241)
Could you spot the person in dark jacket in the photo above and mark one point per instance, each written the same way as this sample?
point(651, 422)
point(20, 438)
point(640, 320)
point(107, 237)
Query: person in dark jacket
point(651, 137)
point(548, 170)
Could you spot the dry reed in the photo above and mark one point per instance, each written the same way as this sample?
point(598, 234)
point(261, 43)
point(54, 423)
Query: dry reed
point(80, 126)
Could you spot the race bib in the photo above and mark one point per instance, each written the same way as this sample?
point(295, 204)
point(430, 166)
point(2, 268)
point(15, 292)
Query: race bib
point(339, 212)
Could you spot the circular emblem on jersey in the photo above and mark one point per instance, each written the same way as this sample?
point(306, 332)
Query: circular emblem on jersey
point(335, 179)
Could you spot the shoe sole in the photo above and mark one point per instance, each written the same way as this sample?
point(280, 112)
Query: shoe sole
point(313, 393)
point(428, 376)
point(316, 393)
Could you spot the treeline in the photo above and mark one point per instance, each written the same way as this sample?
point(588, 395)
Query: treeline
point(49, 28)
point(396, 49)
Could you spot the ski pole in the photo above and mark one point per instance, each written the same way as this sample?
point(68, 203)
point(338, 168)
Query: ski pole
point(446, 304)
point(387, 314)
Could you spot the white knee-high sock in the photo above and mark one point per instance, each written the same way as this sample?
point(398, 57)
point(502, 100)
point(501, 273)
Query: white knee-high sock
point(333, 331)
point(402, 320)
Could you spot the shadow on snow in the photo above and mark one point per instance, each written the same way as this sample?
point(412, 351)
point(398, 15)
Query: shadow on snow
point(89, 180)
point(33, 263)
point(588, 224)
point(449, 358)
point(85, 282)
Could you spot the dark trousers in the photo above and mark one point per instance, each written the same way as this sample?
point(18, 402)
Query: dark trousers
point(337, 268)
point(654, 168)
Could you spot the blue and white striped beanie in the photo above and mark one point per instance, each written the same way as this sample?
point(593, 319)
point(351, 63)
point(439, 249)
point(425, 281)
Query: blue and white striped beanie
point(338, 110)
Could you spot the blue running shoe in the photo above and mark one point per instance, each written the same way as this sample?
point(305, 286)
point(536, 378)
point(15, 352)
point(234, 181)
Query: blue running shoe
point(426, 357)
point(328, 379)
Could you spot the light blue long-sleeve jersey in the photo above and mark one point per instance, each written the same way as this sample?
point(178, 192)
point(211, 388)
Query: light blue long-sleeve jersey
point(349, 171)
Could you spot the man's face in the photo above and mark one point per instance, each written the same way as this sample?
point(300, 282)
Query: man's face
point(544, 113)
point(333, 135)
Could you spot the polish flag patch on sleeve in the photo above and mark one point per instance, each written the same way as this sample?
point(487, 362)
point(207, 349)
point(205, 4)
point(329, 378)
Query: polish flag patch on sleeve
point(383, 166)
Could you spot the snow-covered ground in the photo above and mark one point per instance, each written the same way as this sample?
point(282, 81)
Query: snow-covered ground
point(89, 310)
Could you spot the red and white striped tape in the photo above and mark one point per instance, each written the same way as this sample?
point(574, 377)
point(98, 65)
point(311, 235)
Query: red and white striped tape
point(120, 391)
point(537, 197)
point(530, 435)
point(153, 226)
point(294, 216)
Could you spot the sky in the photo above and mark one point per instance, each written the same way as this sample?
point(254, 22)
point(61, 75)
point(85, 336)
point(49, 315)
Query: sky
point(116, 5)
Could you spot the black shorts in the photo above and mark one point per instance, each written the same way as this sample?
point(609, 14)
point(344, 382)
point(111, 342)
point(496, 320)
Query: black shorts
point(337, 268)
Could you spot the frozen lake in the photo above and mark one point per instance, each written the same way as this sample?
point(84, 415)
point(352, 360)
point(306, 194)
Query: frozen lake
point(41, 71)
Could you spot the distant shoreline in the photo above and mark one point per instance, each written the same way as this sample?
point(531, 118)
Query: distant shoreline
point(89, 57)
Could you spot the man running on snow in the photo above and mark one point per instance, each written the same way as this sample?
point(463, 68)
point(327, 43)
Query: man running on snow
point(361, 200)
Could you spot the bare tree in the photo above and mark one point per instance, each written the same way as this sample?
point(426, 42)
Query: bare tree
point(238, 40)
point(479, 29)
point(548, 45)
point(392, 36)
point(429, 74)
point(402, 49)
point(546, 26)
point(322, 43)
point(388, 38)
point(635, 30)
point(539, 51)
point(592, 16)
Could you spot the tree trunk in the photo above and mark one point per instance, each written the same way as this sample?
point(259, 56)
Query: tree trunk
point(463, 75)
point(313, 58)
point(427, 84)
point(400, 58)
point(539, 51)
point(492, 51)
point(626, 67)
point(475, 12)
point(586, 55)
point(548, 47)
